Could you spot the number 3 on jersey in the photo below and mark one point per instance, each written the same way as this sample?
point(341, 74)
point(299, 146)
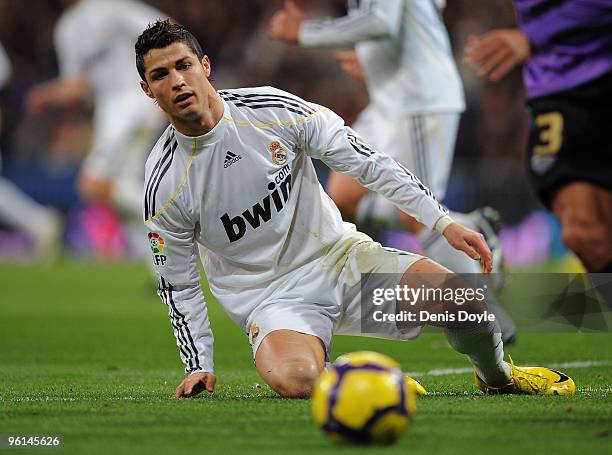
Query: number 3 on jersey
point(550, 126)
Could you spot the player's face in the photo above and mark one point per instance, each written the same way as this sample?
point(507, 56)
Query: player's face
point(178, 81)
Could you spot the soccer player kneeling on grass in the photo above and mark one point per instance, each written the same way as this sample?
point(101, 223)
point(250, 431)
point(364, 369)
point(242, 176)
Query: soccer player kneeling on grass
point(233, 175)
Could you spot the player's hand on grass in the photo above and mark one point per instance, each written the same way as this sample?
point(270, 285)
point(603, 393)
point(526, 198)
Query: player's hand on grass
point(471, 243)
point(285, 24)
point(497, 52)
point(194, 384)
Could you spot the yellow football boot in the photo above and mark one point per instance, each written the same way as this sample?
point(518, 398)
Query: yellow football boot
point(532, 381)
point(414, 385)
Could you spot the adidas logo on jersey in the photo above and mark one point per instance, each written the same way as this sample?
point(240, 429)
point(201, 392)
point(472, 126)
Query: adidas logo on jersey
point(230, 158)
point(236, 227)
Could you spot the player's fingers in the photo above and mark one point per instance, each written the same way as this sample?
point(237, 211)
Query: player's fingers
point(491, 62)
point(179, 392)
point(478, 243)
point(503, 69)
point(196, 387)
point(211, 380)
point(482, 49)
point(188, 391)
point(467, 249)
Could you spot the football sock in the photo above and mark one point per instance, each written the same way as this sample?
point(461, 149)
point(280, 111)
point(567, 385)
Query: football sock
point(485, 350)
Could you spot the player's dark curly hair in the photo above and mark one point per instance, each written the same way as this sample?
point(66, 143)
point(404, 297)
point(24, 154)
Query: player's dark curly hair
point(161, 34)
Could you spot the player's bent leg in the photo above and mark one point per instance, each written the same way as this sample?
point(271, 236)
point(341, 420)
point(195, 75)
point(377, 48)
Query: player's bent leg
point(483, 345)
point(585, 213)
point(345, 192)
point(480, 341)
point(290, 362)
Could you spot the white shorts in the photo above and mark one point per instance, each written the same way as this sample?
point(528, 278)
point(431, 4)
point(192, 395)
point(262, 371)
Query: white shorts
point(424, 143)
point(324, 297)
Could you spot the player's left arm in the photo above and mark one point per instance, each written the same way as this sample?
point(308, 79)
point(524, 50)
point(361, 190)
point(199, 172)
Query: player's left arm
point(326, 137)
point(60, 92)
point(72, 85)
point(373, 19)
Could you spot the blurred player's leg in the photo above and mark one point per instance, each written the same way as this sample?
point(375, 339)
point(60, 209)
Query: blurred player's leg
point(290, 362)
point(43, 225)
point(113, 172)
point(585, 212)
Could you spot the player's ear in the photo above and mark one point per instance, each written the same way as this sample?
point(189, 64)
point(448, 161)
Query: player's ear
point(145, 88)
point(206, 66)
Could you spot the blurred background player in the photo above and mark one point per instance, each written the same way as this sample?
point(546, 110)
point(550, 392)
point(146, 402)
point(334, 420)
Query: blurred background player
point(567, 48)
point(42, 225)
point(416, 100)
point(94, 41)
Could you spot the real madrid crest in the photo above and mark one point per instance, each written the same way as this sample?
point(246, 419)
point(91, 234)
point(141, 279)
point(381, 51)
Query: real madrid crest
point(279, 154)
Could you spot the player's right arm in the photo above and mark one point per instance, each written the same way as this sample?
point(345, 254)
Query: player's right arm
point(325, 137)
point(72, 86)
point(371, 20)
point(171, 234)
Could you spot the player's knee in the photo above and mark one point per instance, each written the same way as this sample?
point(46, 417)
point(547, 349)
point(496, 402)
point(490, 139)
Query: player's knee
point(295, 379)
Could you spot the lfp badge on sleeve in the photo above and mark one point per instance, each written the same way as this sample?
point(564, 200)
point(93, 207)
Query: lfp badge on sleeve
point(157, 247)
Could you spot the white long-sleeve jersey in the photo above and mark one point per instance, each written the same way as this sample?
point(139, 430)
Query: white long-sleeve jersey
point(248, 194)
point(404, 50)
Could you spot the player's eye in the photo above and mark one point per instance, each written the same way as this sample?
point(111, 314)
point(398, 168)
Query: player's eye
point(184, 66)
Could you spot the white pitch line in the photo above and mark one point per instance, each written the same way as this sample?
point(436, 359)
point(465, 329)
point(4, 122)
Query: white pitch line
point(452, 371)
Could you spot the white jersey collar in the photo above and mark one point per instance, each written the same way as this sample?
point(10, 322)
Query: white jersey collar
point(199, 142)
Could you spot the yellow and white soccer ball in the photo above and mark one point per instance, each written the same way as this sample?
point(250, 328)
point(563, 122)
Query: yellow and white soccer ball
point(363, 399)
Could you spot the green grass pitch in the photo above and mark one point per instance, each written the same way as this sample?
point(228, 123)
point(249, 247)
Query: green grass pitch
point(86, 351)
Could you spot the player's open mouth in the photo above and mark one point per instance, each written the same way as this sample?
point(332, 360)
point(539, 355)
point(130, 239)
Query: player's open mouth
point(181, 99)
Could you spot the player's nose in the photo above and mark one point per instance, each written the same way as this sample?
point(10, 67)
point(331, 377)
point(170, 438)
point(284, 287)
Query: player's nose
point(177, 79)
